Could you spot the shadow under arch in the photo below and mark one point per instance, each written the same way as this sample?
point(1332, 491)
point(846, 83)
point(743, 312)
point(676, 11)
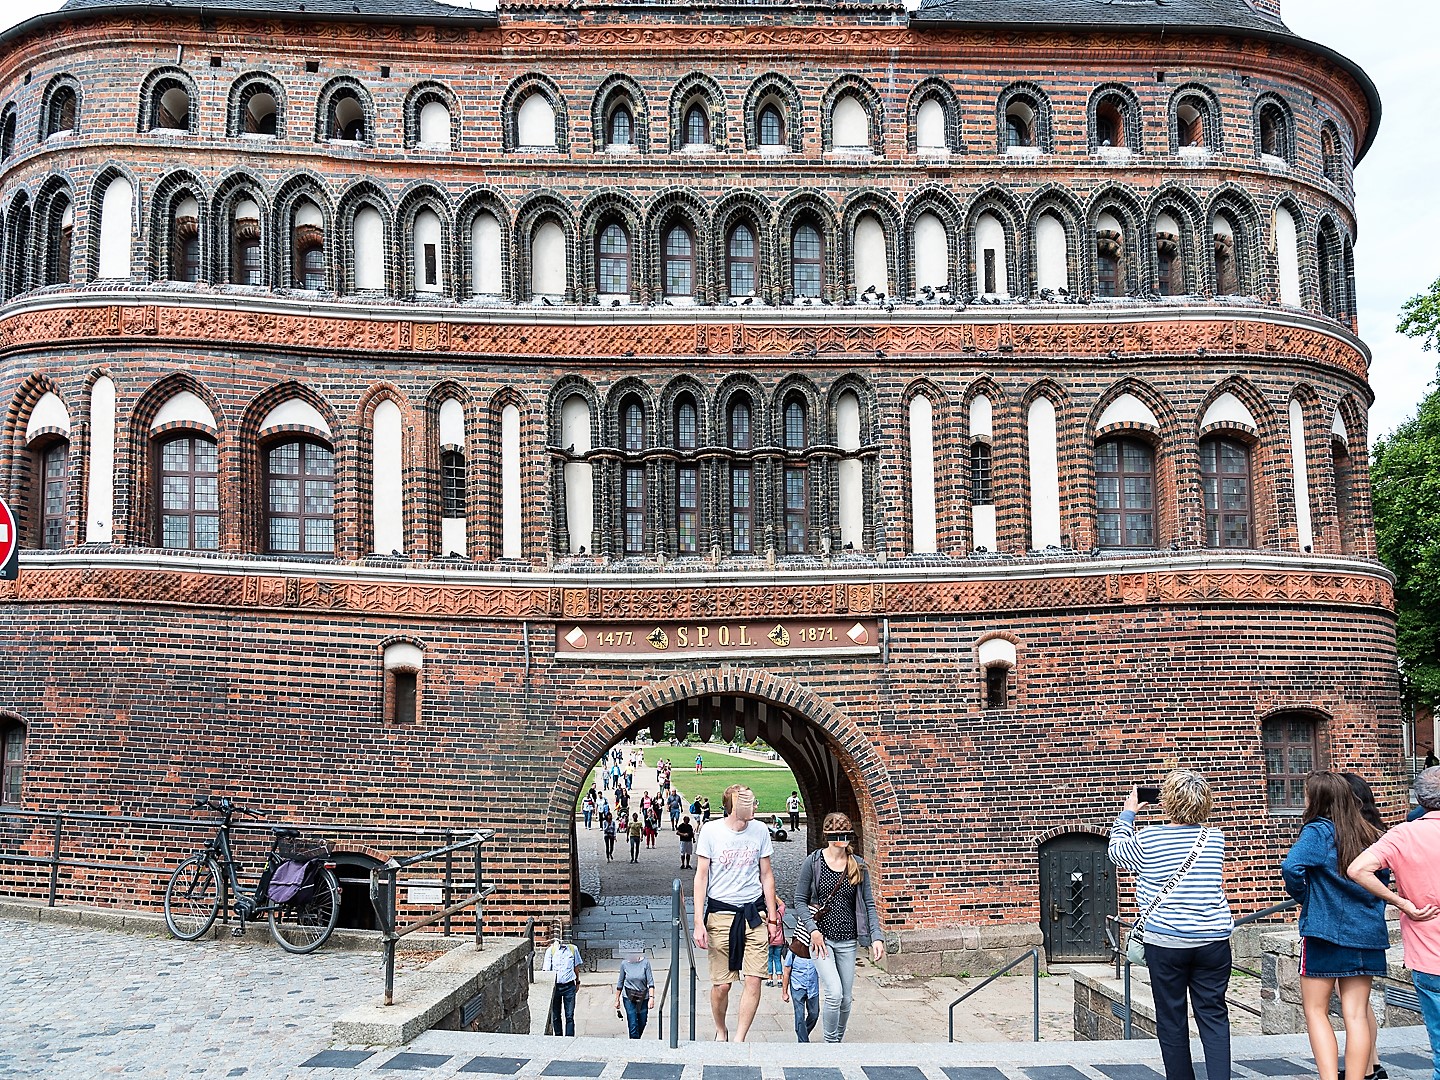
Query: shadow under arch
point(835, 765)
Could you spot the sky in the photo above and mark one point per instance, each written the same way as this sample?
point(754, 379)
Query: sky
point(1396, 185)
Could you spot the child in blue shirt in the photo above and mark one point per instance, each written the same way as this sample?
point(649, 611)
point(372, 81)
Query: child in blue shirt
point(800, 985)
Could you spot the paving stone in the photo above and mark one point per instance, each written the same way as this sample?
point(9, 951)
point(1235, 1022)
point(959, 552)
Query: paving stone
point(412, 1062)
point(959, 1072)
point(894, 1072)
point(337, 1059)
point(573, 1068)
point(732, 1072)
point(811, 1072)
point(1275, 1067)
point(1406, 1060)
point(1054, 1072)
point(652, 1070)
point(494, 1066)
point(1129, 1072)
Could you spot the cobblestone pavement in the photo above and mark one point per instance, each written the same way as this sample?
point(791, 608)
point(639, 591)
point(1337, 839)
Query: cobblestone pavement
point(78, 1003)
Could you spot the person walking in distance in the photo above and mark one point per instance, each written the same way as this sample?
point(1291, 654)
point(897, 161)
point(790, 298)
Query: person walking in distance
point(635, 989)
point(792, 807)
point(734, 899)
point(705, 810)
point(800, 985)
point(1412, 852)
point(685, 832)
point(835, 906)
point(1185, 918)
point(1342, 927)
point(636, 832)
point(699, 763)
point(608, 829)
point(564, 960)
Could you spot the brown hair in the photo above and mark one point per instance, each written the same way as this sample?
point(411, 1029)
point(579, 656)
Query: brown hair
point(1328, 795)
point(836, 822)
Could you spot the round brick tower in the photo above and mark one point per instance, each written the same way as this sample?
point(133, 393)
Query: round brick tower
point(409, 400)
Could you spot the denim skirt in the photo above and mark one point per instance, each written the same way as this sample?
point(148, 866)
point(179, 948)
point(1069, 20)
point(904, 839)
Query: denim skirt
point(1321, 959)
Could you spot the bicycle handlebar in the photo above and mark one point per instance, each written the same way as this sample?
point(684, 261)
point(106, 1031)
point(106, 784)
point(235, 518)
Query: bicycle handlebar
point(225, 805)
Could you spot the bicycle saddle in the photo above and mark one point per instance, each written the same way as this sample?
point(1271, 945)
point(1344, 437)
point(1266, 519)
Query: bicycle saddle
point(284, 832)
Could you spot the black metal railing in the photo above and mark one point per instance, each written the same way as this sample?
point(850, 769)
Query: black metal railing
point(678, 931)
point(166, 838)
point(384, 893)
point(1033, 955)
point(1123, 1011)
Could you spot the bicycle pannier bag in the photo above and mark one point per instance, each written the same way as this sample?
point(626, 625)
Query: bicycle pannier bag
point(294, 881)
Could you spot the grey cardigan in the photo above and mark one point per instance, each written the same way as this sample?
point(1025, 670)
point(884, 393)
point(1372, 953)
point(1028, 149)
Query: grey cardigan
point(867, 919)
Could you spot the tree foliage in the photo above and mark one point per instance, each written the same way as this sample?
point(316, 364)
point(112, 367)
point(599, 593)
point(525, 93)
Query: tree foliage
point(1420, 317)
point(1405, 489)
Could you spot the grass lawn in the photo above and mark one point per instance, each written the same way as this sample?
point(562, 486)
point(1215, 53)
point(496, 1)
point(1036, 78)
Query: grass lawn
point(772, 781)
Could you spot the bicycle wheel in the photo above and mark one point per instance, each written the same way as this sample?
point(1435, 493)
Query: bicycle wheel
point(303, 928)
point(192, 897)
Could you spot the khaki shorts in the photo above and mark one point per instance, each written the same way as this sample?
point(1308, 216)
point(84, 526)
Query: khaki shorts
point(757, 948)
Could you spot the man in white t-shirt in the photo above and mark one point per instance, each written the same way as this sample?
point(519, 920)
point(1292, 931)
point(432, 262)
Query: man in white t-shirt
point(734, 896)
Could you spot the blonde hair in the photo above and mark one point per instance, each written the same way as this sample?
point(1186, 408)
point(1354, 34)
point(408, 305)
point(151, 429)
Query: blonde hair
point(1185, 797)
point(727, 800)
point(838, 822)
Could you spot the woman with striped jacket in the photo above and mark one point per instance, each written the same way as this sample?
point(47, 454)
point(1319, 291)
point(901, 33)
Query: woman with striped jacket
point(1187, 933)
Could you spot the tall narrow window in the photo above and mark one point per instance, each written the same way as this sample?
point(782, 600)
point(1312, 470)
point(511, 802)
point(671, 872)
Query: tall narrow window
point(61, 117)
point(1107, 263)
point(347, 118)
point(634, 509)
point(186, 250)
point(697, 125)
point(1225, 481)
point(300, 499)
point(612, 260)
point(997, 686)
point(1227, 278)
point(1190, 123)
point(679, 262)
point(634, 427)
point(796, 502)
point(772, 127)
point(621, 124)
point(62, 214)
point(405, 687)
point(687, 480)
point(312, 267)
point(452, 484)
point(1125, 493)
point(982, 487)
point(12, 763)
point(1344, 494)
point(1165, 269)
point(1291, 754)
point(190, 494)
point(742, 261)
point(7, 136)
point(742, 506)
point(54, 494)
point(807, 258)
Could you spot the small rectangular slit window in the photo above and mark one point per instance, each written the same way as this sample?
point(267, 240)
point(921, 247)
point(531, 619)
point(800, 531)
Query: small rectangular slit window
point(997, 686)
point(432, 275)
point(405, 694)
point(989, 270)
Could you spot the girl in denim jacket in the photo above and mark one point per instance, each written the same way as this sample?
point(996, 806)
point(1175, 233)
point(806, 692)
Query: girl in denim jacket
point(1342, 927)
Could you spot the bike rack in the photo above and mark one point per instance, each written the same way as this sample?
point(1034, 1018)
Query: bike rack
point(384, 899)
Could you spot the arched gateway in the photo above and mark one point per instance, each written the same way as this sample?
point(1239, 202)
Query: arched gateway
point(835, 766)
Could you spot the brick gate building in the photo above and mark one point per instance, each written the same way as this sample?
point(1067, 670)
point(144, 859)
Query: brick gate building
point(407, 400)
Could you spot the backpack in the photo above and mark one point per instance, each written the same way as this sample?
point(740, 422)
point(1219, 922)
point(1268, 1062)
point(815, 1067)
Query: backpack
point(295, 881)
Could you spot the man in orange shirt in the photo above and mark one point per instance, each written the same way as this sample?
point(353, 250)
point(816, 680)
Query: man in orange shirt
point(1412, 852)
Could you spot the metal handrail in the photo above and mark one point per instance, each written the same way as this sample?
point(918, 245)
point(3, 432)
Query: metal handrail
point(672, 976)
point(1122, 962)
point(1034, 957)
point(55, 860)
point(385, 901)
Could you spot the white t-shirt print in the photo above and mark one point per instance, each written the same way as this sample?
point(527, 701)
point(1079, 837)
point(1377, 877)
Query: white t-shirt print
point(734, 860)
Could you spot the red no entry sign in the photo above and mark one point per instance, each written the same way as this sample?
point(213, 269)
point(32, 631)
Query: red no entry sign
point(9, 544)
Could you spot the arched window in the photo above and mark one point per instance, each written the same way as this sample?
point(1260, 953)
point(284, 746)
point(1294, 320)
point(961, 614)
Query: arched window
point(931, 127)
point(258, 110)
point(930, 247)
point(12, 762)
point(549, 275)
point(17, 246)
point(535, 122)
point(679, 262)
point(429, 263)
point(1169, 270)
point(53, 483)
point(300, 498)
point(992, 272)
point(742, 261)
point(687, 479)
point(1287, 256)
point(620, 127)
point(1344, 472)
point(797, 508)
point(1273, 134)
point(188, 493)
point(1331, 161)
point(485, 276)
point(1225, 482)
point(1227, 276)
point(612, 260)
point(1125, 493)
point(1110, 123)
point(453, 485)
point(60, 117)
point(742, 497)
point(346, 119)
point(7, 135)
point(849, 472)
point(982, 483)
point(1292, 752)
point(61, 241)
point(697, 125)
point(308, 238)
point(116, 229)
point(247, 263)
point(435, 125)
point(185, 241)
point(807, 260)
point(1192, 118)
point(633, 477)
point(1109, 257)
point(850, 124)
point(578, 474)
point(1020, 124)
point(170, 106)
point(1052, 254)
point(771, 127)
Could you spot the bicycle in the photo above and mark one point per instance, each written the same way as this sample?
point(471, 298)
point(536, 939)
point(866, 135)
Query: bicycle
point(207, 880)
